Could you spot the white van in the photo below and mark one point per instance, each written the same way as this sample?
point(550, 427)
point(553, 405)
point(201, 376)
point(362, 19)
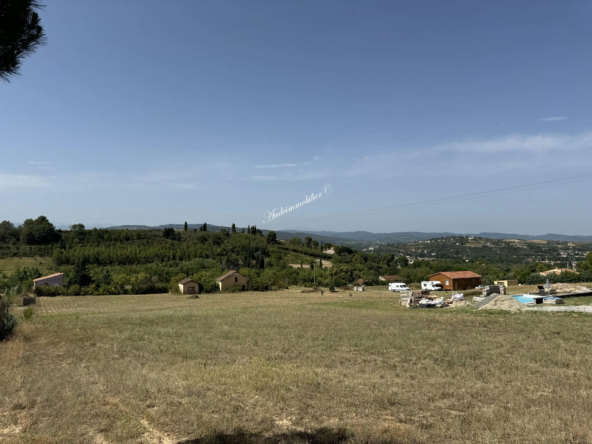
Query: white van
point(431, 285)
point(398, 286)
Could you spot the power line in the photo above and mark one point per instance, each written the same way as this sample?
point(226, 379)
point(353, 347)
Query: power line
point(489, 193)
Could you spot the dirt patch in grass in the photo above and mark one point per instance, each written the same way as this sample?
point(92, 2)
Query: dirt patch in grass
point(291, 367)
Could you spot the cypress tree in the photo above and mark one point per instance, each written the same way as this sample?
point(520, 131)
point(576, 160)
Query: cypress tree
point(185, 227)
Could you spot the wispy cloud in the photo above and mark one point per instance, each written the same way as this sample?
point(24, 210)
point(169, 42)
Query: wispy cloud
point(11, 181)
point(553, 119)
point(41, 165)
point(38, 163)
point(187, 185)
point(291, 177)
point(279, 165)
point(522, 143)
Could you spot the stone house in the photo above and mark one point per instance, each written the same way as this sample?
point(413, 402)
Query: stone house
point(232, 279)
point(189, 286)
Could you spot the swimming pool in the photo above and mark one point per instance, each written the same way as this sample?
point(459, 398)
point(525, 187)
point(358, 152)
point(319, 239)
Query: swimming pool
point(524, 298)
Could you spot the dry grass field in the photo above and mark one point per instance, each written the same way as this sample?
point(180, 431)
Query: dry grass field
point(292, 367)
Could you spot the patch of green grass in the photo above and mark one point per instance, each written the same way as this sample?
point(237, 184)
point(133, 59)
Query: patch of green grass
point(11, 264)
point(579, 300)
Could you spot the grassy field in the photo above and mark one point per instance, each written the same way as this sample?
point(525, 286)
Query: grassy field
point(292, 367)
point(10, 265)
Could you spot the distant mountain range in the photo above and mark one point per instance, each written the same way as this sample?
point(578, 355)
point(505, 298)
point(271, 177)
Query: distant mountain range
point(403, 237)
point(414, 236)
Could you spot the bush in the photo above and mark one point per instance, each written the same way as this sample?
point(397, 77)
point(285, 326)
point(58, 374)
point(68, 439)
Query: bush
point(7, 324)
point(50, 291)
point(28, 313)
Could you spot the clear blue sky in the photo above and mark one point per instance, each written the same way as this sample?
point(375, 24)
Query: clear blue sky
point(151, 112)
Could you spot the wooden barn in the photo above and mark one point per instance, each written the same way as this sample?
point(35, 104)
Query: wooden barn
point(457, 280)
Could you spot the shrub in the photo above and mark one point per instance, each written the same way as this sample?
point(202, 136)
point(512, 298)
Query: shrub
point(50, 291)
point(7, 322)
point(28, 313)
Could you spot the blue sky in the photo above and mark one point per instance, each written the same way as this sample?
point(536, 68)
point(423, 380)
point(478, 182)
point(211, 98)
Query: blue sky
point(159, 112)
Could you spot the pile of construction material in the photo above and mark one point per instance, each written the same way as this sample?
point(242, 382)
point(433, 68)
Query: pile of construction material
point(421, 299)
point(553, 300)
point(488, 290)
point(410, 298)
point(569, 288)
point(500, 302)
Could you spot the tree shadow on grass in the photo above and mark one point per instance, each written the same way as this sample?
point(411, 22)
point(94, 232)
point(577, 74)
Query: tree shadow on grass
point(319, 436)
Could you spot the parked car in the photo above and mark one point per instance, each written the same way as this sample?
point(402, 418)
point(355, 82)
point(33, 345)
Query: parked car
point(398, 286)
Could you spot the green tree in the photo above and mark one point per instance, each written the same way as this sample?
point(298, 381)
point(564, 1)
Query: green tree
point(21, 34)
point(272, 237)
point(586, 265)
point(80, 275)
point(185, 226)
point(8, 232)
point(205, 227)
point(78, 228)
point(106, 278)
point(402, 261)
point(233, 229)
point(39, 232)
point(308, 242)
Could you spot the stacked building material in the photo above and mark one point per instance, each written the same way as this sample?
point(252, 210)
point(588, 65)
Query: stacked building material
point(411, 298)
point(405, 296)
point(493, 289)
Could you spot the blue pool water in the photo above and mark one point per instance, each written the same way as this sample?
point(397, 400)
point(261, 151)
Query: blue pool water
point(524, 298)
